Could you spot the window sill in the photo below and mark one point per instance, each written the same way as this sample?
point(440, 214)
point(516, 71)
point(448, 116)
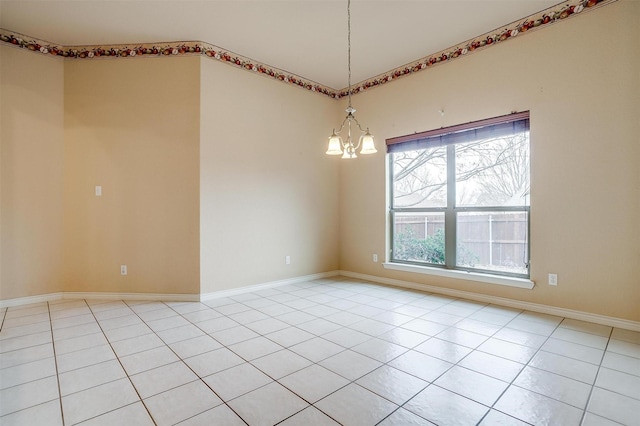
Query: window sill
point(462, 275)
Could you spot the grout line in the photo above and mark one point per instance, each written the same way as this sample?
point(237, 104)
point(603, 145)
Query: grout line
point(55, 360)
point(123, 369)
point(368, 296)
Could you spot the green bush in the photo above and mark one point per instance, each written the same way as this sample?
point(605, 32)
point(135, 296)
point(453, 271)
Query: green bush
point(430, 249)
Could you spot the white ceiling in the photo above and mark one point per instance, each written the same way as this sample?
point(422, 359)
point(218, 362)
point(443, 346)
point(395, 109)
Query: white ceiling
point(304, 37)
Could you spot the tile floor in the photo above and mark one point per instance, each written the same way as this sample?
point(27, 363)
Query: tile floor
point(325, 352)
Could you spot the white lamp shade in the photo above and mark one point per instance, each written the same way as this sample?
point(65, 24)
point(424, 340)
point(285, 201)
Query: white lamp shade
point(335, 145)
point(349, 152)
point(368, 147)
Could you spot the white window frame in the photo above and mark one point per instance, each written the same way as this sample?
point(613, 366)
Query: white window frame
point(436, 138)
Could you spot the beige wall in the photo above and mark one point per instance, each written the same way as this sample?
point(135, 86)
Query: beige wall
point(31, 162)
point(579, 79)
point(132, 126)
point(266, 188)
point(211, 176)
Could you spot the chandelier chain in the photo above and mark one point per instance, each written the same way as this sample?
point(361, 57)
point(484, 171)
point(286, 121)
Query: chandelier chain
point(349, 46)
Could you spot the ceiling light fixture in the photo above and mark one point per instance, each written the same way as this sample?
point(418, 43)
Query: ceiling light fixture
point(337, 146)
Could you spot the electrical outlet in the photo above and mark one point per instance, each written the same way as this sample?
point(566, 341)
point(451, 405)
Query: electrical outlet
point(123, 269)
point(375, 258)
point(553, 279)
point(287, 260)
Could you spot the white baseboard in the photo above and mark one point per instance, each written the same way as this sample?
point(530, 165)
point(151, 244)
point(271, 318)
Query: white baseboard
point(50, 297)
point(511, 303)
point(28, 300)
point(164, 297)
point(271, 284)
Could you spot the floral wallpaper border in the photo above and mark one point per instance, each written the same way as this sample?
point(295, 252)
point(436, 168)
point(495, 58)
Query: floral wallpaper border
point(539, 20)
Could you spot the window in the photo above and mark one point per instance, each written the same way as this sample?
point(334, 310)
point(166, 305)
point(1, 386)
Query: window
point(459, 197)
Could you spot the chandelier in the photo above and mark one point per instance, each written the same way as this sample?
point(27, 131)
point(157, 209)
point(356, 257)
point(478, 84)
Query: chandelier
point(347, 148)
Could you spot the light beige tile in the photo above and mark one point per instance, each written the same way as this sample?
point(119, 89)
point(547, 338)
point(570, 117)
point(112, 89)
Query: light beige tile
point(313, 383)
point(133, 414)
point(289, 336)
point(25, 320)
point(402, 417)
point(152, 358)
point(137, 344)
point(355, 405)
point(91, 376)
point(624, 347)
point(28, 395)
point(255, 348)
point(564, 366)
point(626, 335)
point(267, 405)
point(496, 418)
point(421, 365)
point(45, 414)
point(429, 328)
point(573, 350)
point(309, 416)
point(586, 327)
point(379, 349)
point(78, 343)
point(473, 385)
point(317, 349)
point(462, 337)
point(98, 400)
point(520, 337)
point(444, 350)
point(537, 409)
point(178, 334)
point(281, 363)
point(561, 388)
point(624, 363)
point(619, 382)
point(84, 358)
point(510, 351)
point(25, 355)
point(160, 379)
point(580, 337)
point(232, 335)
point(392, 384)
point(195, 346)
point(237, 381)
point(614, 406)
point(27, 372)
point(181, 403)
point(22, 342)
point(346, 337)
point(351, 365)
point(211, 362)
point(220, 415)
point(403, 337)
point(443, 407)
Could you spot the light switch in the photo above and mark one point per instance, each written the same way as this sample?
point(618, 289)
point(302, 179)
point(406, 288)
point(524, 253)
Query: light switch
point(98, 191)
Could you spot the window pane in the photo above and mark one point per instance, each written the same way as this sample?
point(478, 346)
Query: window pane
point(419, 237)
point(493, 172)
point(494, 241)
point(420, 178)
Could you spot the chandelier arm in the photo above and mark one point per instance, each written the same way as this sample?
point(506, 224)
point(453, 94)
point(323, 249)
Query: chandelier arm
point(337, 132)
point(359, 126)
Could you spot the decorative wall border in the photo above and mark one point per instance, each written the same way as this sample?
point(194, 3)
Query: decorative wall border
point(536, 21)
